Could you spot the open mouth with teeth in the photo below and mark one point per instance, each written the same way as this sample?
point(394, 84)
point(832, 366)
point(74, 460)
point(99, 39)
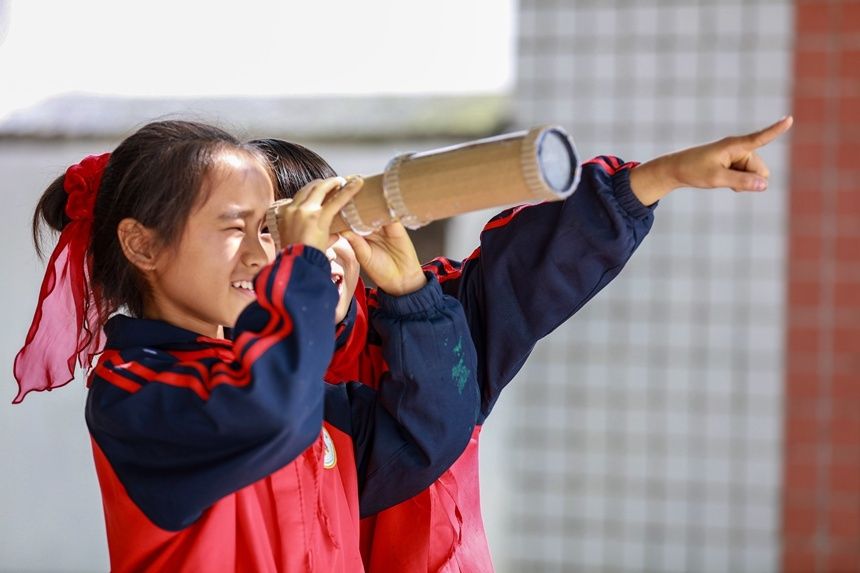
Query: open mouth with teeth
point(245, 287)
point(337, 280)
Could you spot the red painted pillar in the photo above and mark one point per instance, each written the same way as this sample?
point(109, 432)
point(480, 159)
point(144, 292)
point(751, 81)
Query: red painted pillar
point(821, 495)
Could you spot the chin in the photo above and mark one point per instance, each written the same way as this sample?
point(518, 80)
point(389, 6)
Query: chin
point(235, 317)
point(342, 307)
point(340, 314)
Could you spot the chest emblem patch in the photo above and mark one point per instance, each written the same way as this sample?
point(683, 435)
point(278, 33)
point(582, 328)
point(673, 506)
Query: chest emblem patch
point(330, 456)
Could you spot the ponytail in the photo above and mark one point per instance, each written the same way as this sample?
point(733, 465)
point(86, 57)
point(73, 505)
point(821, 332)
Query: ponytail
point(50, 212)
point(66, 327)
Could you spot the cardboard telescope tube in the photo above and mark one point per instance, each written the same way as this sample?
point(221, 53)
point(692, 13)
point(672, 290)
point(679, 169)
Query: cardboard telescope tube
point(537, 165)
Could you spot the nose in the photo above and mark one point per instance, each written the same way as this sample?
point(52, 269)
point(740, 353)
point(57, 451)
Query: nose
point(254, 254)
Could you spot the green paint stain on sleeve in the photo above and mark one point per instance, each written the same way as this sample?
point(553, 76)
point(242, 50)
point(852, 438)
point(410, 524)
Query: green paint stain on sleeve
point(460, 372)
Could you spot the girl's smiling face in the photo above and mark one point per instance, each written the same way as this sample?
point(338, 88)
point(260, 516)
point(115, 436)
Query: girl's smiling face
point(206, 280)
point(344, 274)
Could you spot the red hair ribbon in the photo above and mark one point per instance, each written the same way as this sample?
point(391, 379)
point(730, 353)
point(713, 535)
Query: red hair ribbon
point(67, 325)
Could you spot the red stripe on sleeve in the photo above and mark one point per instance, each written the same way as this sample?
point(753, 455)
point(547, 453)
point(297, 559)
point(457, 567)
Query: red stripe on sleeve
point(599, 161)
point(272, 334)
point(190, 381)
point(253, 345)
point(121, 382)
point(246, 339)
point(451, 272)
point(501, 222)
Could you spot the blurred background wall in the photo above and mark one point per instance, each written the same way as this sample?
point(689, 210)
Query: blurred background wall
point(648, 428)
point(700, 414)
point(821, 470)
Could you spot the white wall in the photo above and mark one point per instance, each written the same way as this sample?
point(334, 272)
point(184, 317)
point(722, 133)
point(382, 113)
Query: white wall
point(51, 508)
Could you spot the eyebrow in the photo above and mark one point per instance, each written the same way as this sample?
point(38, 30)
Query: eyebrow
point(235, 213)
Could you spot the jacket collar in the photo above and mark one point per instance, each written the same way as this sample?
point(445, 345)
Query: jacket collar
point(127, 332)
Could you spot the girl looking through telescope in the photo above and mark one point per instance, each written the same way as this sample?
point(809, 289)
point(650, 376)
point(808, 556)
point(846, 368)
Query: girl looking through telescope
point(534, 268)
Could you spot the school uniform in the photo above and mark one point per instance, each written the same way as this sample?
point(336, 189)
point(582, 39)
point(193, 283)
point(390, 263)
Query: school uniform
point(234, 455)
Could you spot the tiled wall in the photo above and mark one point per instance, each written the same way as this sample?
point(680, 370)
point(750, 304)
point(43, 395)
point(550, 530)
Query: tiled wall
point(646, 434)
point(821, 499)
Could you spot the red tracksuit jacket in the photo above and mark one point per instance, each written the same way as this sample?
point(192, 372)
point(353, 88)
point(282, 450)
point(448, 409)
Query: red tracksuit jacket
point(535, 267)
point(217, 455)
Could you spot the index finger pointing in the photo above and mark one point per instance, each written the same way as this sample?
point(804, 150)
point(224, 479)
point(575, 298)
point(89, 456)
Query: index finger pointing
point(768, 134)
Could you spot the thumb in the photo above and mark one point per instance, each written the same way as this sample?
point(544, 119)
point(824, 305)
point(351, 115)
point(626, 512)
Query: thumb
point(741, 180)
point(394, 229)
point(359, 245)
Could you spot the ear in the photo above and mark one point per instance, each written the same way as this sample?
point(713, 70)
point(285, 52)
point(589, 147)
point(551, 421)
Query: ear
point(139, 244)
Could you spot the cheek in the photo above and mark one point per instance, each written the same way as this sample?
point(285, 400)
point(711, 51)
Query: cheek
point(201, 255)
point(351, 270)
point(270, 249)
point(222, 246)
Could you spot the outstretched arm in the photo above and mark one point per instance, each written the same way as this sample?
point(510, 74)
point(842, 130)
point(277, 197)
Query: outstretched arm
point(537, 265)
point(730, 162)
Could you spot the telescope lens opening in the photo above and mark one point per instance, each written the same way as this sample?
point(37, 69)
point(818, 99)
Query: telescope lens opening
point(557, 160)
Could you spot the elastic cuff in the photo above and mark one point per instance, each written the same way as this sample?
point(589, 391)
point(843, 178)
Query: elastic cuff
point(424, 299)
point(626, 198)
